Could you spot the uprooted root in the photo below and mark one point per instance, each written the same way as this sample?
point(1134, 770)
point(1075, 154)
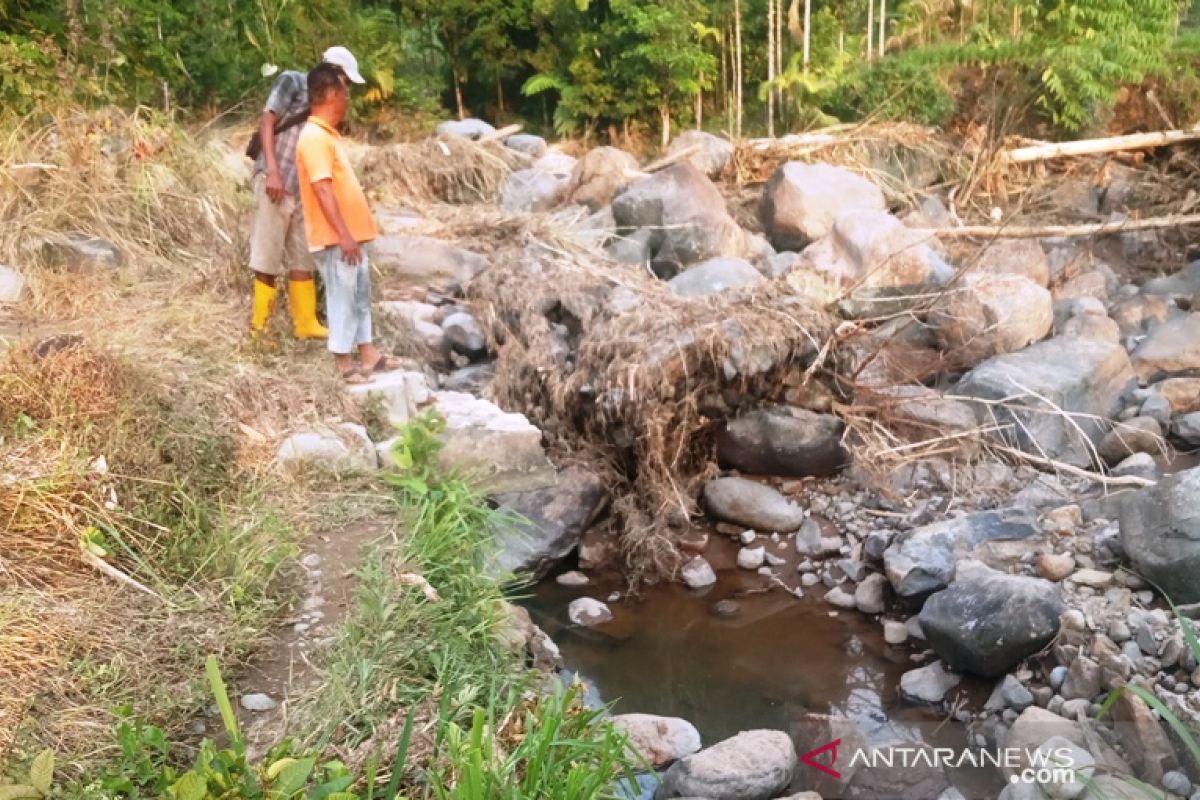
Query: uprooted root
point(608, 360)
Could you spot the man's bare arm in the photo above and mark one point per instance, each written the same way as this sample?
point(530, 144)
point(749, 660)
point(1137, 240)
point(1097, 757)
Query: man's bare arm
point(351, 252)
point(266, 132)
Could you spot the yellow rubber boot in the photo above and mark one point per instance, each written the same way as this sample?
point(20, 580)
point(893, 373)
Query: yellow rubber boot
point(264, 304)
point(302, 299)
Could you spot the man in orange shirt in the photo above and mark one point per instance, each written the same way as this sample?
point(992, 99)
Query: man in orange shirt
point(338, 222)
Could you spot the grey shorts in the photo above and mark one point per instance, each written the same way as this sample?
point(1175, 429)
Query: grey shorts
point(277, 239)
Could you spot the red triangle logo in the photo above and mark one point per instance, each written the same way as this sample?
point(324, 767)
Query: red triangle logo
point(810, 758)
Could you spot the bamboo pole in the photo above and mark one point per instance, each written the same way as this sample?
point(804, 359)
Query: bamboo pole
point(1111, 144)
point(1064, 231)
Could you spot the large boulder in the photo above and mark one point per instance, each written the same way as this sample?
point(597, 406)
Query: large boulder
point(1185, 283)
point(715, 275)
point(418, 320)
point(532, 190)
point(473, 129)
point(557, 516)
point(872, 250)
point(1172, 348)
point(1029, 394)
point(599, 175)
point(1160, 533)
point(687, 214)
point(754, 765)
point(424, 261)
point(990, 314)
point(783, 440)
point(660, 740)
point(923, 560)
point(801, 202)
point(986, 622)
point(501, 451)
point(919, 413)
point(1014, 257)
point(749, 503)
point(711, 154)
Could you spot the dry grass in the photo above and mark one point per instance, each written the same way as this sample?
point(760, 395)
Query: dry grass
point(447, 169)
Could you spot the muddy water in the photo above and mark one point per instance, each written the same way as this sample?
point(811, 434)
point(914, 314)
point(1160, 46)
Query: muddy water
point(773, 660)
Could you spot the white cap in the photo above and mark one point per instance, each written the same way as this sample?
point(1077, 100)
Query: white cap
point(341, 57)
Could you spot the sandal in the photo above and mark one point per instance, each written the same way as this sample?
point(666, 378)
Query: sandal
point(385, 363)
point(356, 377)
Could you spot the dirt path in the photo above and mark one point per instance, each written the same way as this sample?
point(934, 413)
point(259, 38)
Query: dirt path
point(289, 666)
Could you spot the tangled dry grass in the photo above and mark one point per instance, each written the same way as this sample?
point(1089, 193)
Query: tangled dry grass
point(613, 365)
point(447, 170)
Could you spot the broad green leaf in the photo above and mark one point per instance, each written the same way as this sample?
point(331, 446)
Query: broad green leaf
point(190, 787)
point(292, 778)
point(41, 774)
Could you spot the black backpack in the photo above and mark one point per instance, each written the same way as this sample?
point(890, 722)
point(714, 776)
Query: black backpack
point(254, 148)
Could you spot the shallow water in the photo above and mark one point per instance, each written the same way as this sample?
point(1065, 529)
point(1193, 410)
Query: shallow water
point(776, 659)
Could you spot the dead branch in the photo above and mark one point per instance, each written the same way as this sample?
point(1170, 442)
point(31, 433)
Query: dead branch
point(1064, 231)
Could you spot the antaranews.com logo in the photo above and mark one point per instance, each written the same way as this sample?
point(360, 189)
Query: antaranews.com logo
point(1042, 766)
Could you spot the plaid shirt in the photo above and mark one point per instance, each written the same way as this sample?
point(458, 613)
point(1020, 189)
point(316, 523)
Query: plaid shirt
point(289, 95)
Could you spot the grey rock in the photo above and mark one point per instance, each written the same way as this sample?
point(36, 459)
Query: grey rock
point(688, 214)
point(501, 450)
point(1080, 377)
point(1160, 532)
point(635, 247)
point(780, 264)
point(470, 128)
point(598, 175)
point(465, 334)
point(751, 557)
point(698, 573)
point(660, 740)
point(1186, 428)
point(1177, 783)
point(557, 517)
point(879, 257)
point(527, 143)
point(1185, 283)
point(783, 440)
point(341, 447)
point(928, 684)
point(12, 283)
point(1172, 348)
point(754, 765)
point(990, 314)
point(471, 379)
point(895, 633)
point(425, 262)
point(78, 251)
point(572, 579)
point(1023, 257)
point(924, 559)
point(987, 622)
point(712, 155)
point(1145, 743)
point(1140, 465)
point(801, 202)
point(869, 597)
point(746, 502)
point(587, 611)
point(1060, 752)
point(531, 190)
point(714, 276)
point(1138, 435)
point(1009, 693)
point(1083, 680)
point(840, 598)
point(258, 702)
point(1158, 408)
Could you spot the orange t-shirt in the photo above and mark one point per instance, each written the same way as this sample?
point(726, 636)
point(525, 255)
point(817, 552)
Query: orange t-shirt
point(320, 156)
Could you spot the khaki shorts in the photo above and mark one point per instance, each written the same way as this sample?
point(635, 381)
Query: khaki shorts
point(277, 239)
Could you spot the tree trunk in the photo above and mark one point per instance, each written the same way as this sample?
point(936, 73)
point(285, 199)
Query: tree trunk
point(870, 29)
point(499, 93)
point(882, 26)
point(808, 33)
point(458, 99)
point(795, 32)
point(700, 104)
point(770, 68)
point(664, 112)
point(737, 77)
point(779, 54)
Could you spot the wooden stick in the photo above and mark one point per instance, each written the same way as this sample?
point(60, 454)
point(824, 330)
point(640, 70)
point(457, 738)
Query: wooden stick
point(501, 134)
point(1063, 231)
point(1111, 144)
point(674, 158)
point(1107, 480)
point(100, 565)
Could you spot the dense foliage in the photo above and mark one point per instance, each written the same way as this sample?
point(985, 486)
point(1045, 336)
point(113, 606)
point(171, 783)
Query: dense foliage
point(619, 66)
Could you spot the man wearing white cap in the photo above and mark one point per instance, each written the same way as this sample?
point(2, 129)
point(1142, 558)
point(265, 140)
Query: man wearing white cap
point(277, 239)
